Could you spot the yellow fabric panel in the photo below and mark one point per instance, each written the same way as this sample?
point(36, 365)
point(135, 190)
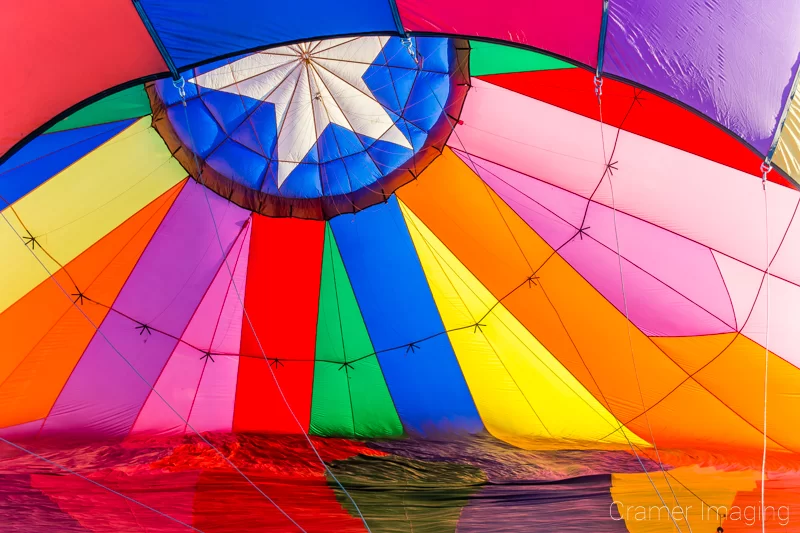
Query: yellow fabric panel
point(787, 154)
point(524, 395)
point(709, 490)
point(81, 204)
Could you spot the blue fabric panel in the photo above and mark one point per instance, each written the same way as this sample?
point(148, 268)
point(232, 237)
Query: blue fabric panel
point(335, 179)
point(201, 134)
point(304, 180)
point(427, 385)
point(361, 170)
point(228, 109)
point(49, 154)
point(430, 93)
point(260, 131)
point(194, 31)
point(389, 156)
point(237, 162)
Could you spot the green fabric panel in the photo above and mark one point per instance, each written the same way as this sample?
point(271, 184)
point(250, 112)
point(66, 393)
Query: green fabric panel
point(488, 58)
point(350, 396)
point(397, 494)
point(130, 103)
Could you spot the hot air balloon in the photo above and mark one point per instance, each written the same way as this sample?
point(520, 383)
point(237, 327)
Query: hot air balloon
point(399, 266)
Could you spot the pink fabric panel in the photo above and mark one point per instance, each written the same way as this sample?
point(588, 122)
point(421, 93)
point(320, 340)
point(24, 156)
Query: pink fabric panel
point(786, 263)
point(213, 405)
point(784, 310)
point(570, 28)
point(704, 201)
point(681, 264)
point(181, 378)
point(653, 307)
point(673, 285)
point(177, 384)
point(742, 282)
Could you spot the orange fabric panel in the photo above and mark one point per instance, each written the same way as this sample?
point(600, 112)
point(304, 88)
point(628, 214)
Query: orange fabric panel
point(693, 353)
point(737, 377)
point(567, 315)
point(44, 335)
point(781, 506)
point(689, 495)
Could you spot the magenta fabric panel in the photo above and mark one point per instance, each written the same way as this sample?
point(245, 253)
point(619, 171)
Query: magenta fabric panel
point(570, 29)
point(104, 395)
point(22, 432)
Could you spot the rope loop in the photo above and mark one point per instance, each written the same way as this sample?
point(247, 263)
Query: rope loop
point(766, 168)
point(180, 85)
point(409, 46)
point(598, 86)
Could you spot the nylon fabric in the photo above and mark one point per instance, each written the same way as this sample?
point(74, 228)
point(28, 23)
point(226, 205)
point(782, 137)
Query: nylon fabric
point(77, 207)
point(425, 381)
point(350, 396)
point(195, 32)
point(283, 280)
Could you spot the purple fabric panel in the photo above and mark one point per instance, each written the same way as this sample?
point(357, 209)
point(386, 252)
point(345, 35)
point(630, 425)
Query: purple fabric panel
point(652, 306)
point(25, 508)
point(680, 263)
point(577, 504)
point(21, 432)
point(733, 61)
point(104, 395)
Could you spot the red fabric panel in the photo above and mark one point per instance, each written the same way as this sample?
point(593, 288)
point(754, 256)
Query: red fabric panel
point(56, 53)
point(649, 116)
point(281, 299)
point(570, 28)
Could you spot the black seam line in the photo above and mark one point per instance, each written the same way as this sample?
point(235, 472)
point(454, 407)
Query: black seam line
point(783, 116)
point(398, 21)
point(410, 347)
point(162, 50)
point(601, 41)
point(152, 77)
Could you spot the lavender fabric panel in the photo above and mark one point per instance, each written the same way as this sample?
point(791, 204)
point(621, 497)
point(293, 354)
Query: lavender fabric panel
point(104, 395)
point(21, 432)
point(733, 61)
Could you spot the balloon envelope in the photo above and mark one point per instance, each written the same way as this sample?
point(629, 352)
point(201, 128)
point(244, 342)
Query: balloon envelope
point(359, 269)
